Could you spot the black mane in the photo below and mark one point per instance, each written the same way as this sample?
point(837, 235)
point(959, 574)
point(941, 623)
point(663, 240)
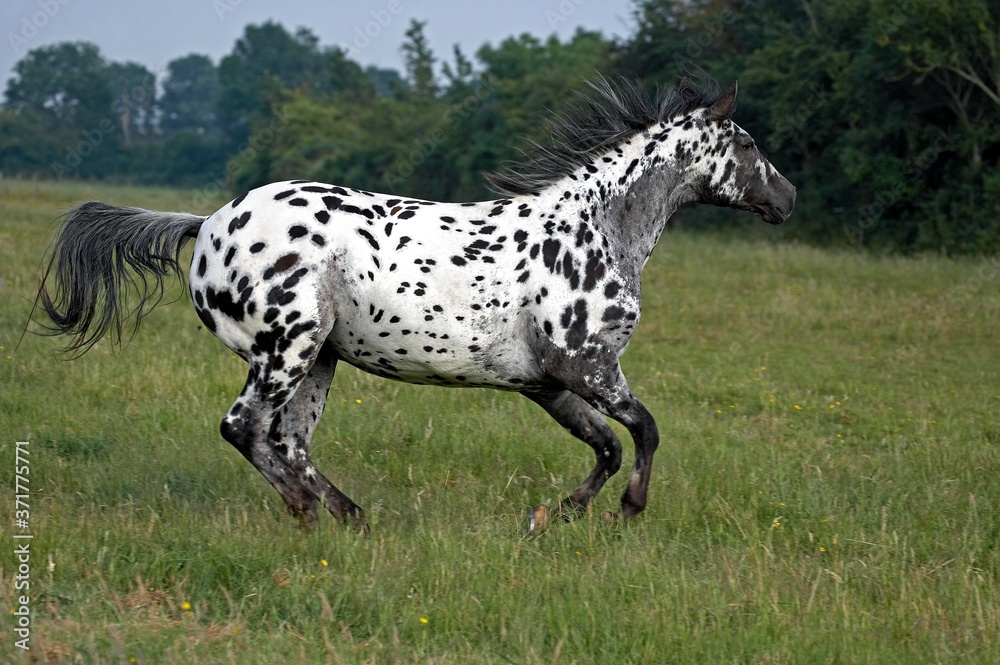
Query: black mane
point(617, 110)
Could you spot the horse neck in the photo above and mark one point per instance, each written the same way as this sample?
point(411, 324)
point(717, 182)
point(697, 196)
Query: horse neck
point(627, 193)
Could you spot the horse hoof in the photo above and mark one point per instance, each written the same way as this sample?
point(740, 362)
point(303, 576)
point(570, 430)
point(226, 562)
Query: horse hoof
point(538, 520)
point(610, 517)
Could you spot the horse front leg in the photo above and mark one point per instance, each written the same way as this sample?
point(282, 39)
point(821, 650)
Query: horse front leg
point(598, 380)
point(633, 415)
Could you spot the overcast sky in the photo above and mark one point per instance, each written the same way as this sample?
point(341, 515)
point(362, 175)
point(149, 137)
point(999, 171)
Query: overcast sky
point(154, 33)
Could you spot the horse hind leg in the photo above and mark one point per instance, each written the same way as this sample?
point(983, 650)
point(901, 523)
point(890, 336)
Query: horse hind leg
point(291, 433)
point(242, 428)
point(271, 423)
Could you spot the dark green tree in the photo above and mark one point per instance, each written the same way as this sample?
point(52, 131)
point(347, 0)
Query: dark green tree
point(419, 60)
point(26, 145)
point(459, 77)
point(886, 115)
point(528, 78)
point(190, 96)
point(946, 56)
point(266, 59)
point(133, 90)
point(955, 48)
point(62, 95)
point(66, 83)
point(345, 77)
point(387, 82)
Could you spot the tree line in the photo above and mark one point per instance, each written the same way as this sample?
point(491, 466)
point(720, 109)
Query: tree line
point(886, 114)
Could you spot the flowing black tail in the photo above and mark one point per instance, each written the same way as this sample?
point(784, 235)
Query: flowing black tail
point(105, 258)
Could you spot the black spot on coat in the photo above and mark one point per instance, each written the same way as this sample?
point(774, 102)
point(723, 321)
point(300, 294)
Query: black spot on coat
point(239, 222)
point(592, 273)
point(612, 313)
point(369, 237)
point(577, 333)
point(286, 262)
point(550, 251)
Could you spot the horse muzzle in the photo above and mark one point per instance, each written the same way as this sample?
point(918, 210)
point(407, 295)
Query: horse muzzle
point(779, 205)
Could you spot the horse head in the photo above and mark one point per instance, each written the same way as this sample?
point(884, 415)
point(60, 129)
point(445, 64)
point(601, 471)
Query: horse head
point(730, 170)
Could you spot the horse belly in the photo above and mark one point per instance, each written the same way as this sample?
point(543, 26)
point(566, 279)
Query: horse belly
point(399, 340)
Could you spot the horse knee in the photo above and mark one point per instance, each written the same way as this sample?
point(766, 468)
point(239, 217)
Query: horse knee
point(236, 431)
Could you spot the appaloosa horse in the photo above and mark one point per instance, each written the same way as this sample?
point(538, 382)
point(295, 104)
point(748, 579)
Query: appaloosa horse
point(537, 292)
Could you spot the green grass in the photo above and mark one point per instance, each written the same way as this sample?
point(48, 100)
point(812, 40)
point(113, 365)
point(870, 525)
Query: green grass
point(826, 489)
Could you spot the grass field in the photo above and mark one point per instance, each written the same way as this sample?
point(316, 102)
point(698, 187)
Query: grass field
point(826, 490)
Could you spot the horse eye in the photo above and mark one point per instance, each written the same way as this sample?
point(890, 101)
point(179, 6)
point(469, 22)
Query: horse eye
point(747, 146)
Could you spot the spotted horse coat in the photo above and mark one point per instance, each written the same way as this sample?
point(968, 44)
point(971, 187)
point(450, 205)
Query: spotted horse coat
point(538, 292)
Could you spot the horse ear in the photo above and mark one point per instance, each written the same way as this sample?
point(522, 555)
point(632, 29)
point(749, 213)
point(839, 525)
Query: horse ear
point(724, 107)
point(686, 89)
